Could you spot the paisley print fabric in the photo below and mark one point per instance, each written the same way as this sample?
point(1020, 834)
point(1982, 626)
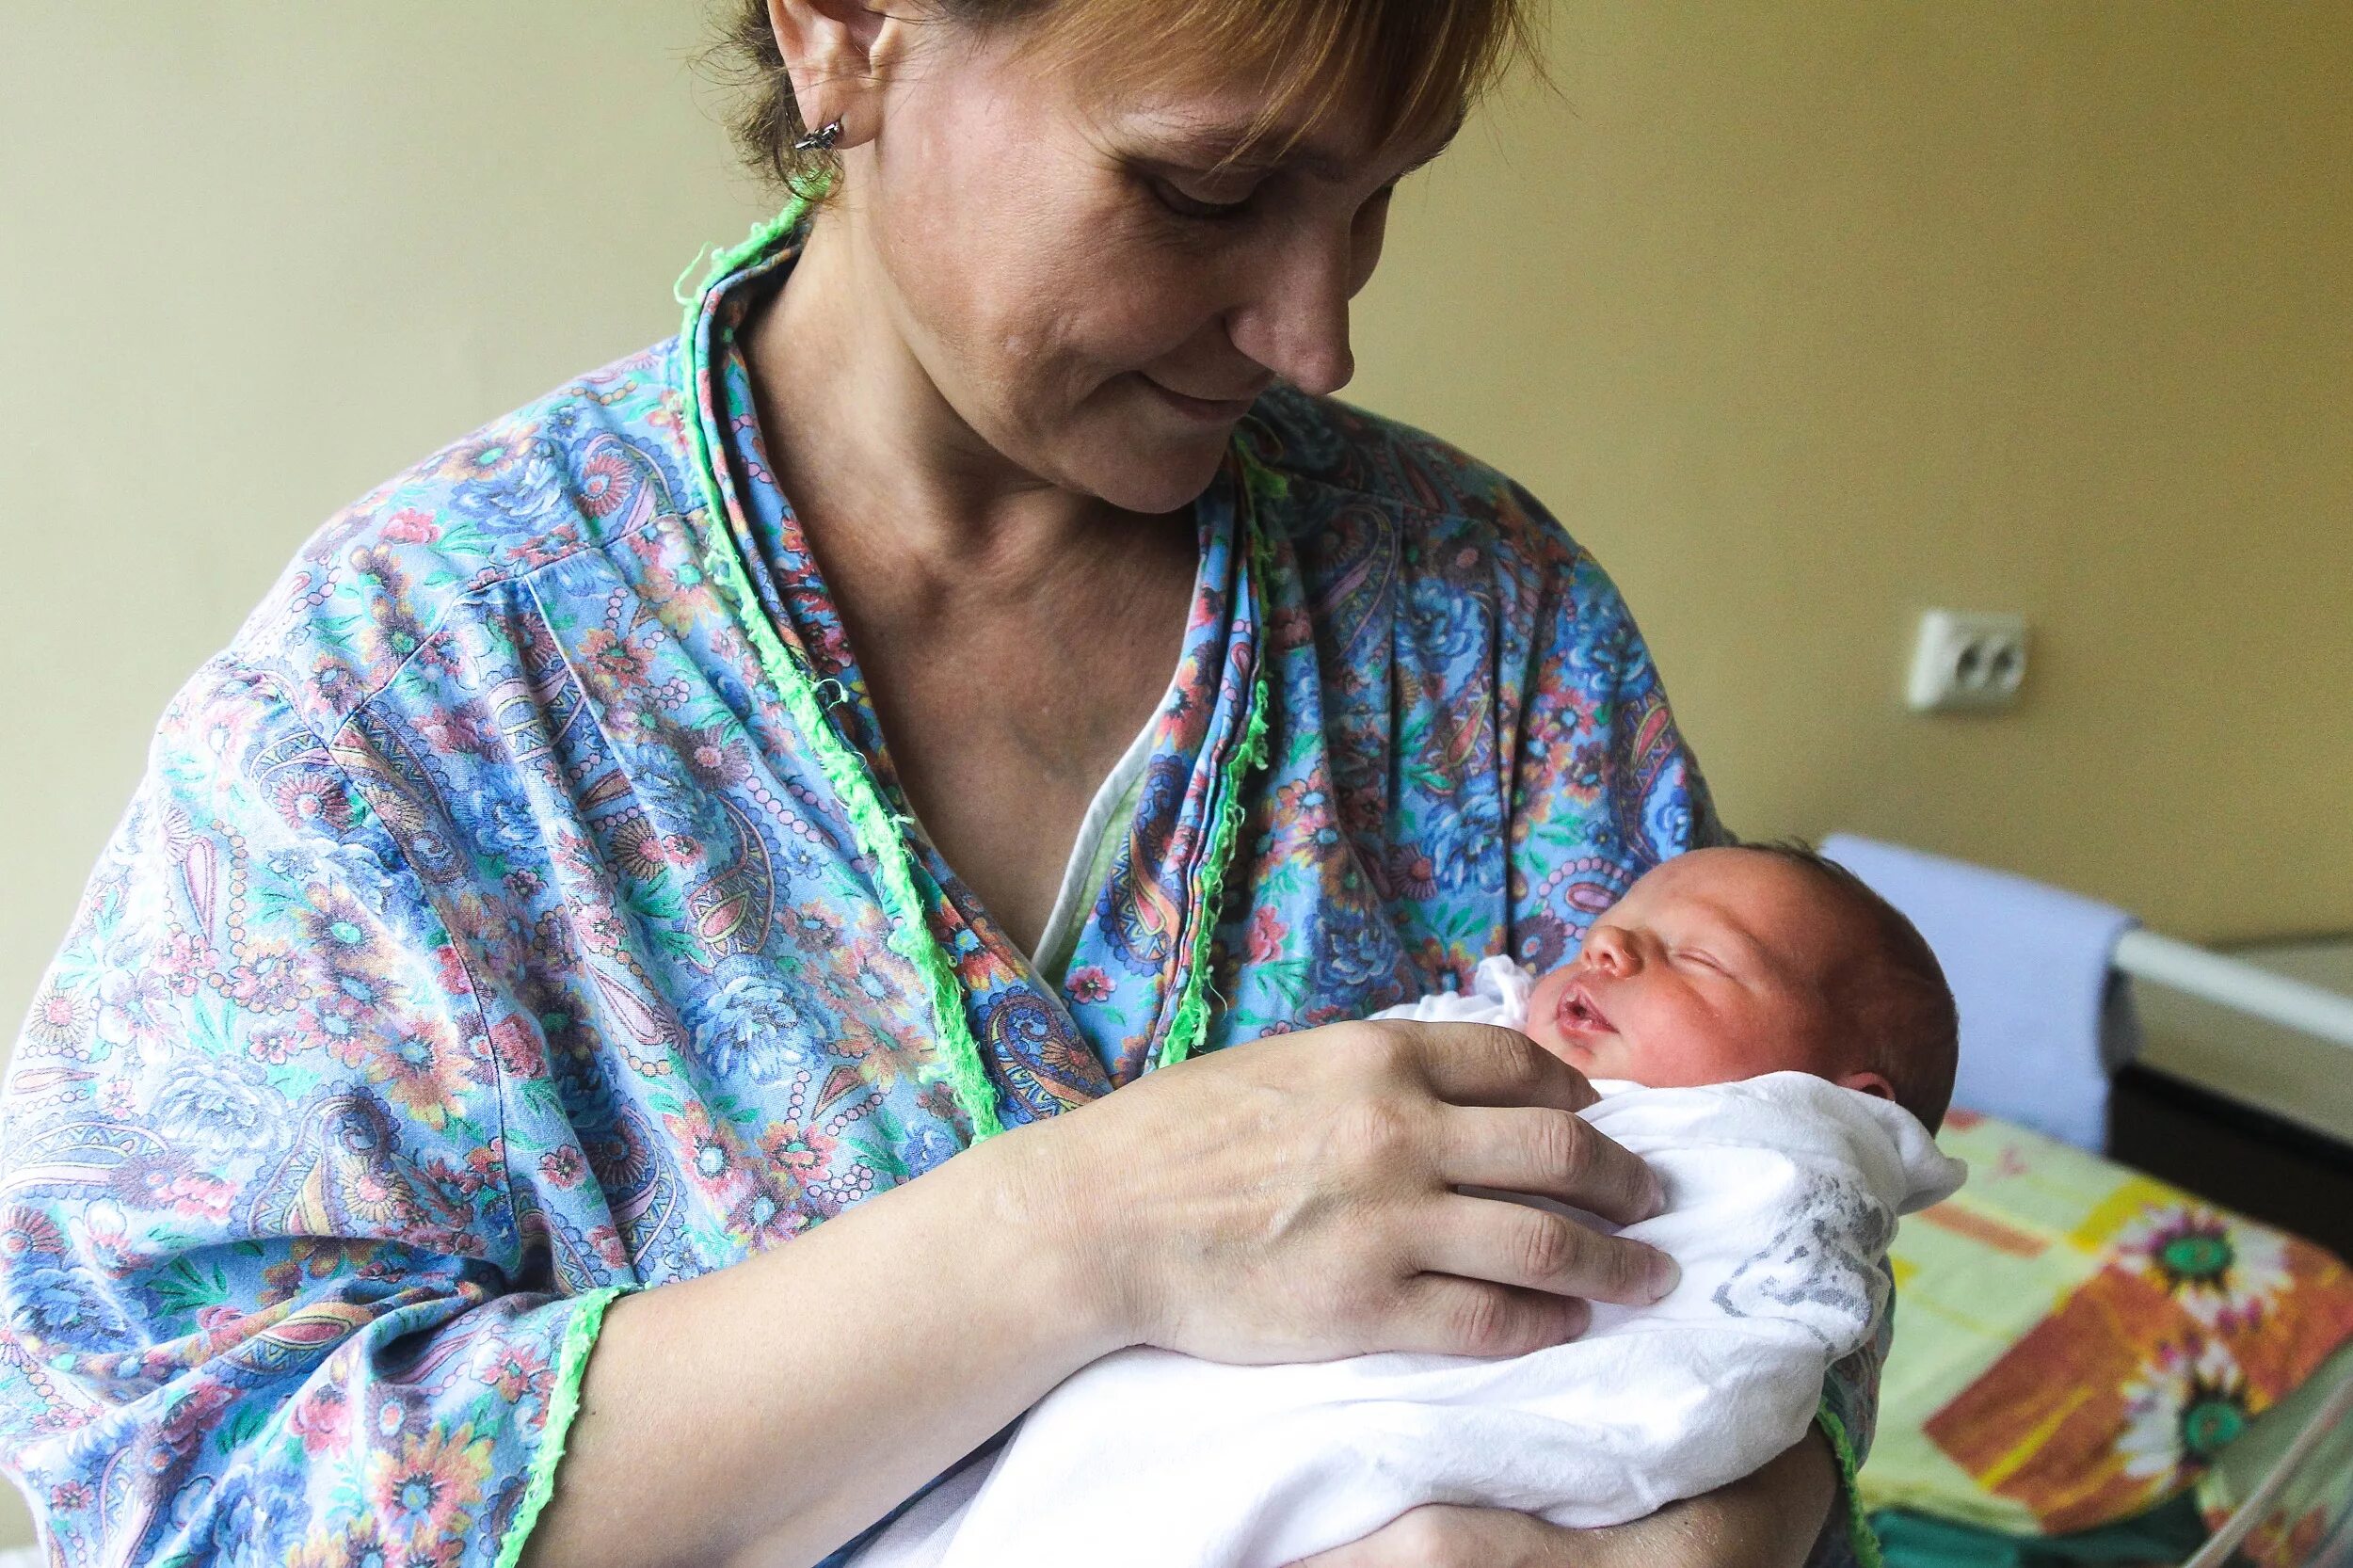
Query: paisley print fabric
point(483, 937)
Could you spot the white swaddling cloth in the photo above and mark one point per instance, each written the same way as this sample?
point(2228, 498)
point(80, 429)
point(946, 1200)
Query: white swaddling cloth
point(1783, 1193)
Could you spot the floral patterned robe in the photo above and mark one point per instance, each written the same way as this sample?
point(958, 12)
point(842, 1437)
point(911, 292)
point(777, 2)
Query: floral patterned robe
point(488, 937)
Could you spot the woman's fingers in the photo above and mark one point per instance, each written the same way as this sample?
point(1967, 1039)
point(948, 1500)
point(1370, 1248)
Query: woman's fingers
point(1273, 1201)
point(1534, 1249)
point(1548, 1153)
point(1443, 1315)
point(1478, 1069)
point(1483, 1065)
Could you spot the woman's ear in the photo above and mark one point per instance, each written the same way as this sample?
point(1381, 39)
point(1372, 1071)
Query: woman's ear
point(835, 50)
point(1870, 1084)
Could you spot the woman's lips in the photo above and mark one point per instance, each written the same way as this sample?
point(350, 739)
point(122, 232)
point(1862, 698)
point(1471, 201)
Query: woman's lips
point(1578, 1014)
point(1208, 410)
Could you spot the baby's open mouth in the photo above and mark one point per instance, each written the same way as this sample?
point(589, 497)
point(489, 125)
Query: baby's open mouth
point(1576, 1014)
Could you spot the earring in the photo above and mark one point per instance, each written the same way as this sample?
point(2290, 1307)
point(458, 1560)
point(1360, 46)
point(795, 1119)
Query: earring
point(822, 139)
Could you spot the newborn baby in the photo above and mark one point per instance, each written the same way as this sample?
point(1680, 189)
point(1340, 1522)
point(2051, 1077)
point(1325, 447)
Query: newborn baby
point(1777, 1042)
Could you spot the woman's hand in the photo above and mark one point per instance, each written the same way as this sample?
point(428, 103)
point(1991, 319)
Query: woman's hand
point(1295, 1198)
point(1768, 1520)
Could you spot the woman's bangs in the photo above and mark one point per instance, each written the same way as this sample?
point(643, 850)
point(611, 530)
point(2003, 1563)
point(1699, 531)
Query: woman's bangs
point(1422, 62)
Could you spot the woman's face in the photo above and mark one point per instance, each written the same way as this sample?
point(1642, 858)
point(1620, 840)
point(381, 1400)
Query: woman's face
point(1092, 294)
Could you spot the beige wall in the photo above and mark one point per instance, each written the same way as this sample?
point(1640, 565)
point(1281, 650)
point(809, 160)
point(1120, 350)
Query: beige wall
point(255, 257)
point(1805, 317)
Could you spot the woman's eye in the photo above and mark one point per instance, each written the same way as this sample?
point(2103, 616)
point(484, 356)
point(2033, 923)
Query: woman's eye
point(1192, 206)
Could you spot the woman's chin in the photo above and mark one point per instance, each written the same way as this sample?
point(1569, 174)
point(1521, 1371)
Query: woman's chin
point(1152, 473)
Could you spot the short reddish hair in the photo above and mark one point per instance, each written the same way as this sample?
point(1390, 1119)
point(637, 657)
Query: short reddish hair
point(1424, 62)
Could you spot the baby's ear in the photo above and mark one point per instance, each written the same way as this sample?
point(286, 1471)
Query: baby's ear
point(1870, 1084)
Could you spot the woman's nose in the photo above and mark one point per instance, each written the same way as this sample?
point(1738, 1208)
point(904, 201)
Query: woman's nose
point(1297, 326)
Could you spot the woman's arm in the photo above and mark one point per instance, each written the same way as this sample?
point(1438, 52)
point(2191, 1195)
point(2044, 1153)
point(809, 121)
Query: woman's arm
point(1769, 1520)
point(1284, 1200)
point(767, 1413)
point(268, 1291)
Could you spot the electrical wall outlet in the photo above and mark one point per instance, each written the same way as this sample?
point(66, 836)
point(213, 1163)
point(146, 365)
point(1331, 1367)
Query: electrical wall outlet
point(1966, 660)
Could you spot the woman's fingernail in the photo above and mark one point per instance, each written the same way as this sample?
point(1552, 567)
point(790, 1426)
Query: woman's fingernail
point(1665, 1275)
point(1656, 1204)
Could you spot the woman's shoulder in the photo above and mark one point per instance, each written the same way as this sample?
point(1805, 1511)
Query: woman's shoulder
point(581, 469)
point(1334, 458)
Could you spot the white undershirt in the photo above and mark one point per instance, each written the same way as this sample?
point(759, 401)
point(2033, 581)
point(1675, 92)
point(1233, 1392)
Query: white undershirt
point(1083, 877)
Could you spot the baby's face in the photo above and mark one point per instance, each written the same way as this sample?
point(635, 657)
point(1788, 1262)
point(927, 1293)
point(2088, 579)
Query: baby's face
point(1715, 967)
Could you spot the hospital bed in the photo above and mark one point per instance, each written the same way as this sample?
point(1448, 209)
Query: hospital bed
point(2303, 1470)
point(2281, 1493)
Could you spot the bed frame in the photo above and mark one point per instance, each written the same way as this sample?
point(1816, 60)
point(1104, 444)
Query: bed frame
point(2237, 985)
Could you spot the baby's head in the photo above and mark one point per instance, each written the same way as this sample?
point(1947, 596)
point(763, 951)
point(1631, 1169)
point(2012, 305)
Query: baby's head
point(1723, 964)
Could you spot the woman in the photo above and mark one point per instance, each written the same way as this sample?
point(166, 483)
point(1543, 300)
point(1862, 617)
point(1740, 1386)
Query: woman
point(590, 869)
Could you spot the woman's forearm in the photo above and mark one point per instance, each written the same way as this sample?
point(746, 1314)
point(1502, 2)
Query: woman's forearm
point(766, 1412)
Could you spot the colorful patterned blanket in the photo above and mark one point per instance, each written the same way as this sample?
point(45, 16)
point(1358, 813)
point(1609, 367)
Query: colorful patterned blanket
point(2078, 1343)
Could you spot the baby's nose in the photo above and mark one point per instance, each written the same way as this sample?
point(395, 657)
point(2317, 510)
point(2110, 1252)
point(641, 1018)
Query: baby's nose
point(1609, 951)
